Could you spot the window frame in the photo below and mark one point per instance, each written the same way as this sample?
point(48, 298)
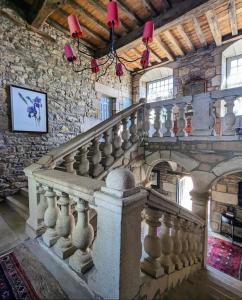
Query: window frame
point(228, 69)
point(160, 80)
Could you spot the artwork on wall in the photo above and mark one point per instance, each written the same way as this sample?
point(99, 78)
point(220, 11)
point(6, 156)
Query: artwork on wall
point(194, 87)
point(29, 110)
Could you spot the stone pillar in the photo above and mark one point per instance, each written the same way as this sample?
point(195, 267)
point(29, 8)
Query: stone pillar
point(117, 248)
point(199, 203)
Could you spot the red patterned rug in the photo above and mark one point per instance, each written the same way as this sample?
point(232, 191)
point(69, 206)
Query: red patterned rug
point(224, 256)
point(14, 283)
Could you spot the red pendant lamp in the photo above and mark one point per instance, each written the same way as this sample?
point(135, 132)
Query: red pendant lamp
point(145, 59)
point(148, 32)
point(69, 53)
point(74, 26)
point(119, 69)
point(94, 66)
point(112, 16)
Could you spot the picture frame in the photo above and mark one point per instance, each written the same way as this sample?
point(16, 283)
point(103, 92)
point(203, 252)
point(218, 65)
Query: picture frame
point(29, 110)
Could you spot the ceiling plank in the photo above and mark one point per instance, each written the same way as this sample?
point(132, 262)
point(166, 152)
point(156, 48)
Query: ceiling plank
point(185, 37)
point(79, 10)
point(199, 32)
point(101, 9)
point(182, 11)
point(91, 33)
point(174, 41)
point(134, 63)
point(132, 16)
point(233, 17)
point(41, 10)
point(164, 48)
point(214, 27)
point(148, 5)
point(154, 54)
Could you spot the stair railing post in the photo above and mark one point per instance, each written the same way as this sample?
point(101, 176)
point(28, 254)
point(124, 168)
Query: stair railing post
point(117, 247)
point(168, 122)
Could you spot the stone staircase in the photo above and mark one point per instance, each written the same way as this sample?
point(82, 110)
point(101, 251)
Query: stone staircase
point(19, 202)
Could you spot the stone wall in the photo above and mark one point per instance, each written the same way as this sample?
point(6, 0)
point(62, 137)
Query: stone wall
point(203, 64)
point(29, 60)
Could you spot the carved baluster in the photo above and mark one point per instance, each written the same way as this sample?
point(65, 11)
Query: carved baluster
point(133, 129)
point(189, 242)
point(108, 149)
point(184, 254)
point(140, 123)
point(168, 122)
point(69, 161)
point(229, 118)
point(212, 118)
point(181, 119)
point(177, 243)
point(200, 239)
point(64, 227)
point(146, 121)
point(195, 242)
point(117, 141)
point(82, 237)
point(167, 244)
point(152, 245)
point(126, 134)
point(50, 236)
point(157, 124)
point(83, 162)
point(96, 158)
point(42, 205)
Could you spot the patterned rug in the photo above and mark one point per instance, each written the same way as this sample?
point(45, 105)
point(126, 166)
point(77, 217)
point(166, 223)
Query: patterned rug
point(225, 257)
point(14, 283)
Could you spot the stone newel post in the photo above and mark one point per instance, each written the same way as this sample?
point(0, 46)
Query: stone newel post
point(117, 249)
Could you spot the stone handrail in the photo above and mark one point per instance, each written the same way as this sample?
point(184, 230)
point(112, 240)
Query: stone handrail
point(196, 116)
point(84, 138)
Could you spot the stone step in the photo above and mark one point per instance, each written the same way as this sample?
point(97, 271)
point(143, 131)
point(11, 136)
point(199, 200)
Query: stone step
point(19, 203)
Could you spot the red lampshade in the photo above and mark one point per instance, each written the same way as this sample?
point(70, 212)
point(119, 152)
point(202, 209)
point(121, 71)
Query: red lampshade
point(145, 58)
point(112, 17)
point(74, 26)
point(94, 66)
point(69, 53)
point(148, 32)
point(119, 69)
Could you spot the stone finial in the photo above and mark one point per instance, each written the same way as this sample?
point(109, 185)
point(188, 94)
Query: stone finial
point(120, 179)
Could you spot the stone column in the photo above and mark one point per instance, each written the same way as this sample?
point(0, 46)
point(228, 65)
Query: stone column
point(152, 244)
point(199, 203)
point(117, 248)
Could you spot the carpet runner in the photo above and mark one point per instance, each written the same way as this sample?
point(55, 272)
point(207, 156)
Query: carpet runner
point(14, 283)
point(225, 257)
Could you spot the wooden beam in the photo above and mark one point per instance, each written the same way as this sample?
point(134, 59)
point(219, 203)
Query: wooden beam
point(179, 13)
point(233, 17)
point(90, 33)
point(41, 10)
point(131, 15)
point(185, 37)
point(148, 5)
point(214, 27)
point(79, 10)
point(228, 38)
point(135, 63)
point(102, 10)
point(154, 54)
point(199, 32)
point(164, 48)
point(157, 65)
point(174, 41)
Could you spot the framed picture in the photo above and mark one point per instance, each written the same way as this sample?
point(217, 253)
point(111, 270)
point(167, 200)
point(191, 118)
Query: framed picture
point(29, 111)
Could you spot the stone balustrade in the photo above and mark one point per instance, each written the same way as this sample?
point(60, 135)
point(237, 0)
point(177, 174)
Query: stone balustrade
point(194, 117)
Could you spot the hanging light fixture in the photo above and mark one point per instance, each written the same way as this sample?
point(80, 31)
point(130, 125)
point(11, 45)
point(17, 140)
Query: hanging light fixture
point(107, 61)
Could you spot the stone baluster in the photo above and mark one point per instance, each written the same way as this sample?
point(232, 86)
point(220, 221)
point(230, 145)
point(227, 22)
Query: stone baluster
point(195, 242)
point(96, 158)
point(51, 214)
point(64, 227)
point(117, 141)
point(133, 128)
point(146, 121)
point(69, 161)
point(168, 122)
point(166, 244)
point(140, 123)
point(184, 253)
point(157, 124)
point(82, 237)
point(42, 205)
point(200, 239)
point(177, 243)
point(229, 118)
point(181, 119)
point(152, 244)
point(126, 134)
point(189, 242)
point(212, 118)
point(83, 162)
point(108, 149)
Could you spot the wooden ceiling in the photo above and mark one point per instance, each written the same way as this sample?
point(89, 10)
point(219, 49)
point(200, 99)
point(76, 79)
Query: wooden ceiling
point(181, 26)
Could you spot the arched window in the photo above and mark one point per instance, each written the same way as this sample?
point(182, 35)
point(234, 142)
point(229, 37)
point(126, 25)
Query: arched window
point(157, 84)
